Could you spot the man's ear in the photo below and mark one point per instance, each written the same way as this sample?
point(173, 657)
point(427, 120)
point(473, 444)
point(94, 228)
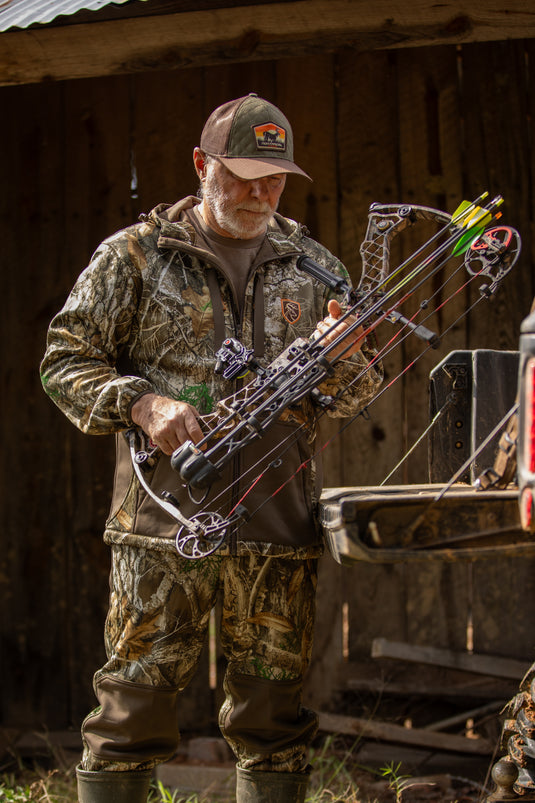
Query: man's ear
point(199, 160)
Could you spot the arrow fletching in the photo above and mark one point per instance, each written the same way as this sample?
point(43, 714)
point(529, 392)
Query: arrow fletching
point(474, 219)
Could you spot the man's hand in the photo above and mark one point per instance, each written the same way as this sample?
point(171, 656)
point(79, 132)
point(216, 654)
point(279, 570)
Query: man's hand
point(168, 423)
point(352, 342)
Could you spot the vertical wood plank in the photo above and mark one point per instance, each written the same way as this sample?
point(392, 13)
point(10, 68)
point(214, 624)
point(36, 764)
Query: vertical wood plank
point(97, 202)
point(437, 603)
point(162, 139)
point(497, 97)
point(97, 164)
point(429, 159)
point(327, 653)
point(34, 548)
point(305, 93)
point(368, 172)
point(235, 81)
point(375, 595)
point(427, 603)
point(504, 601)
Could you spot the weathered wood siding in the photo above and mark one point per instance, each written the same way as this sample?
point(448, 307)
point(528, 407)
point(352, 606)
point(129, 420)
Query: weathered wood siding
point(83, 158)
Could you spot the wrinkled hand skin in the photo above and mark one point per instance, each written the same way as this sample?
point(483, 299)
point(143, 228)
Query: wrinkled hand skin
point(352, 343)
point(168, 423)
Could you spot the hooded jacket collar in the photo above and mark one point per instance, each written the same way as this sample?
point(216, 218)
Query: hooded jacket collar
point(177, 233)
point(283, 233)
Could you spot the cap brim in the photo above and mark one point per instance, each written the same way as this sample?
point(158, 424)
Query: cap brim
point(249, 168)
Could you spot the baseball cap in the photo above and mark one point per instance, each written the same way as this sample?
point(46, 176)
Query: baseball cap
point(251, 137)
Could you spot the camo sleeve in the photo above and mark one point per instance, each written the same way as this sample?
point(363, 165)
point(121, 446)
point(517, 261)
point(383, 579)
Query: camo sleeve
point(85, 341)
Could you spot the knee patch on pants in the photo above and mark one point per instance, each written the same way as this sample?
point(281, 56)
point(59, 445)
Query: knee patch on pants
point(266, 716)
point(134, 723)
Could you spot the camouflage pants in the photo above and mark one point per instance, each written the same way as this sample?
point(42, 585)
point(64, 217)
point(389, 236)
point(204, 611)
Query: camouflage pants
point(159, 613)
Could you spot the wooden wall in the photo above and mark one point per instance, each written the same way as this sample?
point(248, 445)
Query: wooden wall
point(81, 159)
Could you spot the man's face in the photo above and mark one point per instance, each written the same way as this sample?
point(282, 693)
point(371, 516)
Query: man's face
point(238, 208)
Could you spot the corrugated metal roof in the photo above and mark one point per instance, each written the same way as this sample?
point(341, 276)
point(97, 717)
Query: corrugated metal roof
point(21, 13)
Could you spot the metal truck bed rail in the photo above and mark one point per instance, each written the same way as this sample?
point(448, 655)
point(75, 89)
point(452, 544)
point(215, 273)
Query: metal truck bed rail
point(388, 524)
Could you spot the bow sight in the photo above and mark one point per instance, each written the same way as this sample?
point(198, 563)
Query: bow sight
point(298, 372)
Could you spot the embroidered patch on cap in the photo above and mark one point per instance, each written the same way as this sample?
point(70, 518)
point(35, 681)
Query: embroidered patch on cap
point(291, 310)
point(270, 136)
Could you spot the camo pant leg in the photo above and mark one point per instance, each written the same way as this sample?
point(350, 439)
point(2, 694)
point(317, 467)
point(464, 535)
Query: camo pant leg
point(266, 633)
point(159, 612)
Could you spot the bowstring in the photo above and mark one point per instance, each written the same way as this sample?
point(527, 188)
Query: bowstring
point(295, 436)
point(282, 447)
point(347, 423)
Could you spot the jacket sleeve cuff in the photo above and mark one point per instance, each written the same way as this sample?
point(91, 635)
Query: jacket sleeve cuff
point(134, 398)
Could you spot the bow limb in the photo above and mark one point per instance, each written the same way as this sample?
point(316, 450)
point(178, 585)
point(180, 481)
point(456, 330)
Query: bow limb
point(386, 221)
point(196, 537)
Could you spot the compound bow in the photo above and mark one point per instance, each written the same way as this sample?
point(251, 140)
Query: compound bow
point(488, 251)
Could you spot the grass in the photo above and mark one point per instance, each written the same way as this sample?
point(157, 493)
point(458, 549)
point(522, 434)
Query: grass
point(336, 778)
point(331, 782)
point(37, 785)
point(53, 788)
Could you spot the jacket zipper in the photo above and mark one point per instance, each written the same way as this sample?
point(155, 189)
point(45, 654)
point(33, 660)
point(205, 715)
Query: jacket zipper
point(237, 462)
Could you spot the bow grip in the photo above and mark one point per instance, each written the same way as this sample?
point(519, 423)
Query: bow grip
point(193, 466)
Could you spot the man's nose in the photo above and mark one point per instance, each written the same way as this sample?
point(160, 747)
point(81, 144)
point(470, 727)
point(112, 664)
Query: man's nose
point(258, 188)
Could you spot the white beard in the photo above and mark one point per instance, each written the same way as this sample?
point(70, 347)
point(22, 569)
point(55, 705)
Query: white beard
point(228, 216)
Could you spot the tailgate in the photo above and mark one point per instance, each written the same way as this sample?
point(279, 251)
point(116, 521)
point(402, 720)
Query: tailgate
point(395, 523)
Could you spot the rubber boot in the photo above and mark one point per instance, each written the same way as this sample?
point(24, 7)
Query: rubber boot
point(113, 787)
point(270, 787)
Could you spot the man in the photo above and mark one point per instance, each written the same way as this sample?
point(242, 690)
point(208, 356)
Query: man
point(135, 345)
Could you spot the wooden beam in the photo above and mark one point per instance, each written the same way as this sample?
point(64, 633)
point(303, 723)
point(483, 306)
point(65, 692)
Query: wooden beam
point(440, 690)
point(492, 665)
point(257, 32)
point(388, 732)
point(463, 716)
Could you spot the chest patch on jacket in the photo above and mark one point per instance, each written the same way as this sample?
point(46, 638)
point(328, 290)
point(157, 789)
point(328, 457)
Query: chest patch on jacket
point(291, 310)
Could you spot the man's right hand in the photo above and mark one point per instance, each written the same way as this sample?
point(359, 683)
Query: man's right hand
point(168, 423)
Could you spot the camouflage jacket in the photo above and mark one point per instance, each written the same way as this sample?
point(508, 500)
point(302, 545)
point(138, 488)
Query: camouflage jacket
point(147, 314)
